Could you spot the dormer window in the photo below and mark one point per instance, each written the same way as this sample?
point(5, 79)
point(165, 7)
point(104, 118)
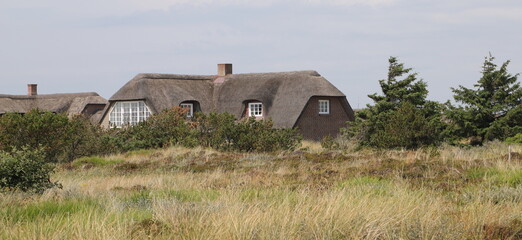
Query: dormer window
point(324, 106)
point(255, 109)
point(190, 107)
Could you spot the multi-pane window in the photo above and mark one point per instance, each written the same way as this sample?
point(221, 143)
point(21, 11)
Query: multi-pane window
point(255, 109)
point(190, 108)
point(128, 113)
point(324, 106)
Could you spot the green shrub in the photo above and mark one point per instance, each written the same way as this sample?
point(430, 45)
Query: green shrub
point(406, 127)
point(217, 130)
point(35, 130)
point(169, 127)
point(260, 136)
point(517, 139)
point(62, 139)
point(84, 138)
point(25, 170)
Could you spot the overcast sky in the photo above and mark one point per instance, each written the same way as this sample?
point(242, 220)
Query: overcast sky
point(99, 45)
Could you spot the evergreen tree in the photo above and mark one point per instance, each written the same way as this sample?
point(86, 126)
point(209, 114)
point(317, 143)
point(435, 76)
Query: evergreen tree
point(401, 116)
point(492, 109)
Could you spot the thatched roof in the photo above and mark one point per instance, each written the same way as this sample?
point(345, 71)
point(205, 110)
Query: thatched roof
point(284, 94)
point(69, 103)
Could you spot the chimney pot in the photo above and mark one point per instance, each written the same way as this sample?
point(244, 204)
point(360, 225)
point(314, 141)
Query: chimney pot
point(32, 89)
point(224, 69)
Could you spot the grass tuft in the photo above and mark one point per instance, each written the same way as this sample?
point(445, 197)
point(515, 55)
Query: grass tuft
point(95, 161)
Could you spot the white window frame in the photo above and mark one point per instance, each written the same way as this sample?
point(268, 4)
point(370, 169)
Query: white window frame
point(324, 106)
point(255, 109)
point(128, 113)
point(190, 106)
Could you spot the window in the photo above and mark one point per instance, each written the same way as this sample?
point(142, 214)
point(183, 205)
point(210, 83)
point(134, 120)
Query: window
point(324, 106)
point(190, 107)
point(255, 109)
point(128, 113)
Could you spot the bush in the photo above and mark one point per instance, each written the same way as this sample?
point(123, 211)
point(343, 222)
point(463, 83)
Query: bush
point(261, 136)
point(60, 138)
point(35, 130)
point(405, 128)
point(517, 139)
point(63, 139)
point(84, 138)
point(220, 131)
point(25, 170)
point(216, 130)
point(169, 127)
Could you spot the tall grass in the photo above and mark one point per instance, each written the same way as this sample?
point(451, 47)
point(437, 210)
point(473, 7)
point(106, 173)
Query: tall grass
point(179, 193)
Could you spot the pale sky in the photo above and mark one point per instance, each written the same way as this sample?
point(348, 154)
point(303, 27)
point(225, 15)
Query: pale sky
point(99, 45)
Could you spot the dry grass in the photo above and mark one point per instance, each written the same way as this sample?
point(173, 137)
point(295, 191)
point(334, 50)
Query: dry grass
point(179, 193)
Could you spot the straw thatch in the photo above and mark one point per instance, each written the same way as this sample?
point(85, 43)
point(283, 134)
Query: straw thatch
point(284, 95)
point(68, 103)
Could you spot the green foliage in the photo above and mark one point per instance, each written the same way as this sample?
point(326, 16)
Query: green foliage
point(260, 136)
point(95, 161)
point(217, 130)
point(62, 139)
point(401, 117)
point(35, 130)
point(492, 110)
point(396, 91)
point(406, 127)
point(47, 209)
point(25, 170)
point(517, 139)
point(166, 128)
point(85, 138)
point(493, 176)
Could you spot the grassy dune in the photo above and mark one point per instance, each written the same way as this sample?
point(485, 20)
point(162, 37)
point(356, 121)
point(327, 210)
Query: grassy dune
point(179, 193)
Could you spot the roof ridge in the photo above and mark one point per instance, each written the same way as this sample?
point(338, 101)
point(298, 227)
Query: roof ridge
point(80, 94)
point(173, 76)
point(212, 77)
point(309, 72)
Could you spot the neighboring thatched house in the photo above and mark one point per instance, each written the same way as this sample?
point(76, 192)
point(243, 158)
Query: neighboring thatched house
point(91, 104)
point(300, 99)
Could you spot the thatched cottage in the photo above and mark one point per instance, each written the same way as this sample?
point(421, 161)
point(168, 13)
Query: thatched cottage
point(302, 99)
point(90, 104)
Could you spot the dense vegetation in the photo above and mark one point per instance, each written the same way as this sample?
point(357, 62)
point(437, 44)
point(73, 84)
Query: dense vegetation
point(402, 117)
point(60, 139)
point(25, 170)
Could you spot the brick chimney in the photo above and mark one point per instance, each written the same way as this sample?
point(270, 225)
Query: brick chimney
point(224, 69)
point(32, 90)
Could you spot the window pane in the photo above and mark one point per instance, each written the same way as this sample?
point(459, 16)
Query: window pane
point(324, 106)
point(124, 113)
point(255, 109)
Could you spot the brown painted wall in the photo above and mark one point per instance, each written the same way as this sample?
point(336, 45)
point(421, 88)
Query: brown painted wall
point(315, 126)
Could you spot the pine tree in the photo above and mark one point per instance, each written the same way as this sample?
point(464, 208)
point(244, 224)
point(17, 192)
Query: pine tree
point(402, 92)
point(492, 109)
